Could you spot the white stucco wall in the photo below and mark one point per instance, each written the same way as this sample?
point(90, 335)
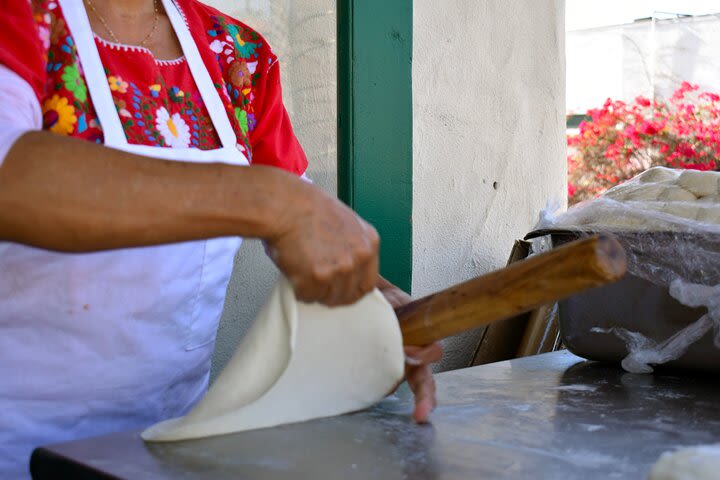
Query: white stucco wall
point(302, 33)
point(489, 145)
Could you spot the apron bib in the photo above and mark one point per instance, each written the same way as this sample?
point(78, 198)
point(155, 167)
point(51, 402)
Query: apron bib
point(117, 340)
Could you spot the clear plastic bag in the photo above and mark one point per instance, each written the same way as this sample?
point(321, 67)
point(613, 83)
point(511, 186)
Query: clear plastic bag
point(668, 221)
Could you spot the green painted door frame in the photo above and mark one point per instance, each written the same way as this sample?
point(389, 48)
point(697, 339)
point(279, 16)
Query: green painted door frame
point(375, 161)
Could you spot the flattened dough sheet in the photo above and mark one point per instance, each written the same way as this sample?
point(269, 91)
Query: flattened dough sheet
point(298, 362)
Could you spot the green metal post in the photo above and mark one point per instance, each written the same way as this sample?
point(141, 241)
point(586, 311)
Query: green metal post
point(375, 160)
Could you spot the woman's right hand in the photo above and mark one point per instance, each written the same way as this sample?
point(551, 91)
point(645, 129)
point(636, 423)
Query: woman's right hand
point(329, 254)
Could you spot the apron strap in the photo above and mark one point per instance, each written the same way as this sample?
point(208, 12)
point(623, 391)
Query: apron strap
point(97, 83)
point(205, 85)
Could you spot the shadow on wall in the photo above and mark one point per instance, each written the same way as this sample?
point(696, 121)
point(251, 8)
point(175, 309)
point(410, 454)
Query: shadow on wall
point(253, 279)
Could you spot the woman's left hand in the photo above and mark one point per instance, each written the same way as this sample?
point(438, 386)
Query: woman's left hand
point(417, 360)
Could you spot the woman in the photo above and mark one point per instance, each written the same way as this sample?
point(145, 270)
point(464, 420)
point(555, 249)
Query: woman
point(131, 124)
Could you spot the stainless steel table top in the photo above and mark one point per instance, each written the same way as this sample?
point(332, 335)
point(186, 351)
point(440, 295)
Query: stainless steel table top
point(550, 416)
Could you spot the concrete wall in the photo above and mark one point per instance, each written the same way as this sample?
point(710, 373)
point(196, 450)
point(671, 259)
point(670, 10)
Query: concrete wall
point(624, 61)
point(489, 145)
point(302, 34)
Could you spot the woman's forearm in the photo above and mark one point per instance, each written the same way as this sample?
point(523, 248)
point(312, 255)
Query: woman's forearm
point(70, 195)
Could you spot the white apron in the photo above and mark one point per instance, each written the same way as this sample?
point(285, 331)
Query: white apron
point(118, 340)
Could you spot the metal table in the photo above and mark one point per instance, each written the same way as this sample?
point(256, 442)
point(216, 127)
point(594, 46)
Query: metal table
point(550, 416)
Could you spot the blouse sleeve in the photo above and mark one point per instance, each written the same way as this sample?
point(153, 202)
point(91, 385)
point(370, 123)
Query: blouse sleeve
point(22, 73)
point(21, 46)
point(273, 140)
point(20, 112)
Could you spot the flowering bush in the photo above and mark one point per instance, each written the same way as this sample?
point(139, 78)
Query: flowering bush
point(621, 140)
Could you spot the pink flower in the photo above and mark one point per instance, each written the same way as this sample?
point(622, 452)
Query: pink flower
point(686, 150)
point(620, 138)
point(648, 128)
point(643, 102)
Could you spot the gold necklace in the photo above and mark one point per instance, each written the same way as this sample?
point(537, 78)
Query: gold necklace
point(112, 35)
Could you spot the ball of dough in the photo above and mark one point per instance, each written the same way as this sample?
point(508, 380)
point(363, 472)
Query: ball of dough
point(673, 193)
point(658, 174)
point(636, 192)
point(683, 210)
point(700, 183)
point(617, 193)
point(710, 199)
point(650, 192)
point(693, 463)
point(709, 214)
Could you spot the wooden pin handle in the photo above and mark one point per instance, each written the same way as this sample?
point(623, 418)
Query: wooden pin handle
point(521, 287)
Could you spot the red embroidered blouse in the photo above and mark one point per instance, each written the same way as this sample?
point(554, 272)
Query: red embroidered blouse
point(157, 100)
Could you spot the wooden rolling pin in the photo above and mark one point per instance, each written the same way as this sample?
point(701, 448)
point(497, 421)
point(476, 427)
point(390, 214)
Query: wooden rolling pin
point(519, 288)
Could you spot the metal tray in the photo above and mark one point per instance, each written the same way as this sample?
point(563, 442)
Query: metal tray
point(632, 303)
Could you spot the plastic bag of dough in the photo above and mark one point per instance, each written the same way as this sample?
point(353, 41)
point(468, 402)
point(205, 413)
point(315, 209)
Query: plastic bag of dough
point(298, 362)
point(674, 243)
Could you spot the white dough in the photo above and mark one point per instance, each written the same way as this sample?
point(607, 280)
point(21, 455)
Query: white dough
point(640, 192)
point(710, 199)
point(659, 212)
point(700, 183)
point(299, 362)
point(650, 192)
point(692, 463)
point(658, 174)
point(625, 191)
point(709, 214)
point(673, 193)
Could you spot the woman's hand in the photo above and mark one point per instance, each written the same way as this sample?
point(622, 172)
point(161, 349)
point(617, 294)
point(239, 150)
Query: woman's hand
point(417, 359)
point(329, 254)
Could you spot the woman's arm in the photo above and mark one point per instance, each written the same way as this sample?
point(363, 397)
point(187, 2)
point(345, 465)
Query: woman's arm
point(70, 195)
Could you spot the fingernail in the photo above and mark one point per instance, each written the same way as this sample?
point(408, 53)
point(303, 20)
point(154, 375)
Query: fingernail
point(413, 361)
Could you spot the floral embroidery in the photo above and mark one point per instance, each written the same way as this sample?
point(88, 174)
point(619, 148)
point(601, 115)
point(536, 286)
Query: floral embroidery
point(242, 118)
point(173, 128)
point(155, 90)
point(122, 108)
point(238, 52)
point(74, 82)
point(157, 102)
point(57, 30)
point(176, 95)
point(44, 34)
point(117, 84)
point(245, 49)
point(82, 123)
point(239, 74)
point(58, 116)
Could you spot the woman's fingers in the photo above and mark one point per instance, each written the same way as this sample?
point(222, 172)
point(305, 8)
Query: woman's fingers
point(419, 377)
point(423, 355)
point(422, 384)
